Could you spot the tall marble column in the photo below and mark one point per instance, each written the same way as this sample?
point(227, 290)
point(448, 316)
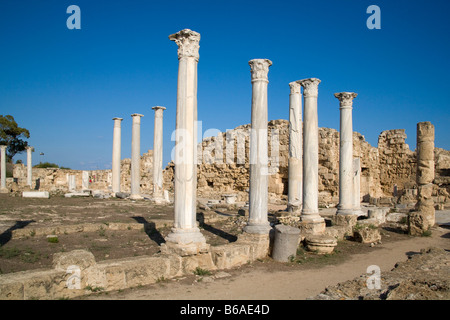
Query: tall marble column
point(310, 208)
point(258, 195)
point(185, 232)
point(3, 169)
point(295, 187)
point(116, 155)
point(345, 205)
point(29, 167)
point(158, 195)
point(136, 157)
point(357, 187)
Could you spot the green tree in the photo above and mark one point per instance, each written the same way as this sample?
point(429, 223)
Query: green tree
point(11, 135)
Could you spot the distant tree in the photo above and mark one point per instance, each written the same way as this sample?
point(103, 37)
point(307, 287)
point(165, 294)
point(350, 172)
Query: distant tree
point(11, 135)
point(46, 165)
point(19, 161)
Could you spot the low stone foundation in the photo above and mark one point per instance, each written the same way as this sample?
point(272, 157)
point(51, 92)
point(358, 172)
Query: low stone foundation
point(76, 273)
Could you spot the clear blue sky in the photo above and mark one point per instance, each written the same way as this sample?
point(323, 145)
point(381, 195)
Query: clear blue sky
point(65, 86)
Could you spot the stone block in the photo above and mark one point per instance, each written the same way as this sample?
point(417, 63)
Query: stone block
point(366, 234)
point(36, 194)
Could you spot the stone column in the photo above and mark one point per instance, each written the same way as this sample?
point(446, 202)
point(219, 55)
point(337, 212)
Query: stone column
point(158, 193)
point(185, 234)
point(29, 167)
point(295, 187)
point(116, 155)
point(258, 195)
point(424, 216)
point(3, 169)
point(136, 157)
point(357, 187)
point(345, 205)
point(310, 207)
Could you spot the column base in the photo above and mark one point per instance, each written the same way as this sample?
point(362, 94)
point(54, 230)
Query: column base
point(312, 224)
point(294, 208)
point(253, 228)
point(4, 190)
point(346, 211)
point(187, 241)
point(136, 197)
point(160, 200)
point(358, 212)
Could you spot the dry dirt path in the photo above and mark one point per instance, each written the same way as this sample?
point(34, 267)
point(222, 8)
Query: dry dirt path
point(256, 282)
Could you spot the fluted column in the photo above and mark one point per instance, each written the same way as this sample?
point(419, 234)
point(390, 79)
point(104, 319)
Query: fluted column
point(295, 187)
point(345, 205)
point(258, 195)
point(136, 157)
point(116, 155)
point(185, 231)
point(3, 169)
point(158, 195)
point(29, 167)
point(310, 209)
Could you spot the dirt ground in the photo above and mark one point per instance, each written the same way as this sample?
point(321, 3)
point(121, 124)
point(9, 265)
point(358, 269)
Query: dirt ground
point(305, 276)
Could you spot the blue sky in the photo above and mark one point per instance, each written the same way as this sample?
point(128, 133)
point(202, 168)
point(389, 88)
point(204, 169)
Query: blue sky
point(65, 86)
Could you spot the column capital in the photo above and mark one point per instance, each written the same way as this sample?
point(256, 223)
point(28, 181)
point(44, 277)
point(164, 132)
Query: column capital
point(187, 42)
point(158, 108)
point(346, 98)
point(3, 147)
point(295, 87)
point(29, 148)
point(137, 115)
point(120, 119)
point(310, 87)
point(260, 69)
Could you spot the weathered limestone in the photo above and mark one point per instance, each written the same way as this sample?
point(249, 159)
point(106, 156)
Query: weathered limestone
point(3, 169)
point(346, 202)
point(424, 217)
point(320, 244)
point(158, 193)
point(310, 209)
point(85, 180)
point(186, 238)
point(286, 241)
point(357, 187)
point(116, 155)
point(35, 194)
point(29, 166)
point(258, 195)
point(295, 150)
point(136, 157)
point(71, 180)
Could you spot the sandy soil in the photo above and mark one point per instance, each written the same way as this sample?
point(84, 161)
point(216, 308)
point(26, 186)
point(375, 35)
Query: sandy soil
point(268, 280)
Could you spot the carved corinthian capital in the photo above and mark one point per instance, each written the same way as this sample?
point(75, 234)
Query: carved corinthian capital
point(310, 87)
point(295, 87)
point(187, 42)
point(346, 98)
point(259, 69)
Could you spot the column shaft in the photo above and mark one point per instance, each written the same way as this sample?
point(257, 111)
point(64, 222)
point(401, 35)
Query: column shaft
point(116, 155)
point(295, 184)
point(136, 157)
point(29, 167)
point(346, 205)
point(258, 195)
point(357, 186)
point(310, 210)
point(3, 168)
point(158, 155)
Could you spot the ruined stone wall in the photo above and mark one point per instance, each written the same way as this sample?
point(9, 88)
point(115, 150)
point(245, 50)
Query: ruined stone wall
point(57, 180)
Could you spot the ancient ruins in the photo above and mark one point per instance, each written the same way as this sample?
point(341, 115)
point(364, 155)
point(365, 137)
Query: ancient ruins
point(292, 163)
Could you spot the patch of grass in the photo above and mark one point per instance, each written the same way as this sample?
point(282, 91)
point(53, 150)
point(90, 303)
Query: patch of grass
point(201, 272)
point(426, 233)
point(9, 253)
point(94, 289)
point(53, 240)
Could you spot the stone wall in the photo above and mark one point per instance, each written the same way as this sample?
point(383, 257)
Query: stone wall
point(391, 165)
